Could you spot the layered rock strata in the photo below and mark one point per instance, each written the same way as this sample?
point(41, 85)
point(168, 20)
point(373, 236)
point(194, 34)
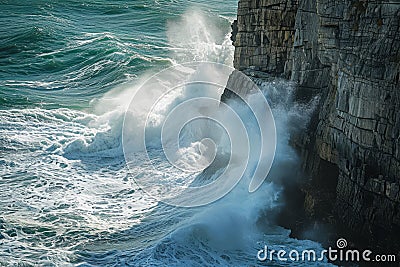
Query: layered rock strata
point(348, 53)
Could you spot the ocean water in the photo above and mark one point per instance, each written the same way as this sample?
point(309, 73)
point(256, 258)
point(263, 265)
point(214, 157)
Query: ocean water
point(67, 69)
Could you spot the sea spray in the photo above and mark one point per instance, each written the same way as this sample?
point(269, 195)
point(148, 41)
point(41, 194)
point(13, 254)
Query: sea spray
point(193, 36)
point(211, 234)
point(72, 198)
point(228, 231)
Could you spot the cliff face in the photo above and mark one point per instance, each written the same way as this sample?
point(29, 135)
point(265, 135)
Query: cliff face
point(265, 31)
point(348, 52)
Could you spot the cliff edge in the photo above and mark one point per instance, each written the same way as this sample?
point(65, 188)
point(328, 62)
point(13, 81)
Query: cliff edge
point(348, 53)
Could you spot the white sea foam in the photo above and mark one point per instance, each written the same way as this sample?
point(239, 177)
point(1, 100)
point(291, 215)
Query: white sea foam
point(230, 224)
point(82, 185)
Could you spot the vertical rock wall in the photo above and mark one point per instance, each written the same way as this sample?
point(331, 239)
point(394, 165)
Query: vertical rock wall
point(265, 31)
point(348, 52)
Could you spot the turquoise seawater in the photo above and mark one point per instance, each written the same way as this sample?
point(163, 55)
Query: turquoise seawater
point(65, 53)
point(67, 69)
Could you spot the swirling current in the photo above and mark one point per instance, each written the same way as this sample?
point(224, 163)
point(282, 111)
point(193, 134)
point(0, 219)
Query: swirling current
point(67, 72)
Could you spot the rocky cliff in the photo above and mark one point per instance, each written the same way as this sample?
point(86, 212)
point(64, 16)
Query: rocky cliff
point(348, 52)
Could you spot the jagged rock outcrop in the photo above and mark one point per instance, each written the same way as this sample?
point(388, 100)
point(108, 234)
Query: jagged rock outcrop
point(348, 52)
